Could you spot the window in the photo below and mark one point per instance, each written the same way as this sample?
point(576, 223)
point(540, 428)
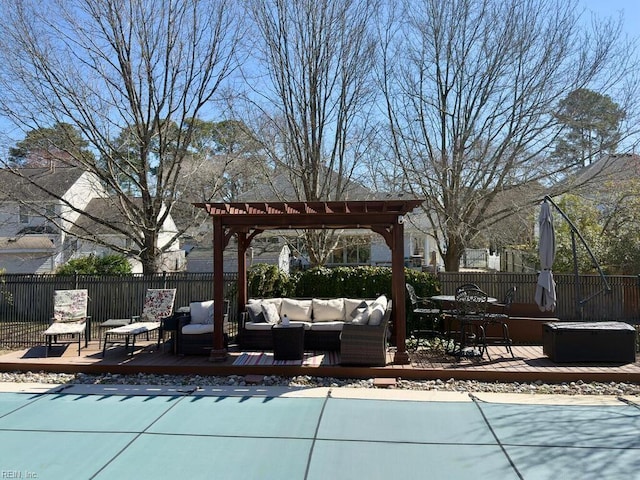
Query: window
point(24, 214)
point(50, 211)
point(352, 251)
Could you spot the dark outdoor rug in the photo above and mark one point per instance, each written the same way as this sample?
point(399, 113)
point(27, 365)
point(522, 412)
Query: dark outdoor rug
point(311, 359)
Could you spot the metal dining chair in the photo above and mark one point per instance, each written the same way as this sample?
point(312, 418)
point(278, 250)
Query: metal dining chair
point(498, 320)
point(470, 315)
point(426, 315)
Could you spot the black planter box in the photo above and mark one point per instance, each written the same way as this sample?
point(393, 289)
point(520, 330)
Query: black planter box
point(613, 342)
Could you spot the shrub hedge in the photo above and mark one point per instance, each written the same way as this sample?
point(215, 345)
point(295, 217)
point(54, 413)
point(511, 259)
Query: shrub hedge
point(357, 282)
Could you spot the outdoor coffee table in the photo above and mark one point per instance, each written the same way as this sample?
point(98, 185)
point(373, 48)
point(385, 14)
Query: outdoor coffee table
point(288, 342)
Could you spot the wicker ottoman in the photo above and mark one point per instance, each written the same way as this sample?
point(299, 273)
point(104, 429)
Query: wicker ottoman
point(288, 342)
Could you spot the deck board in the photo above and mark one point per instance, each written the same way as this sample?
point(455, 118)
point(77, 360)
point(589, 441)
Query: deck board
point(529, 364)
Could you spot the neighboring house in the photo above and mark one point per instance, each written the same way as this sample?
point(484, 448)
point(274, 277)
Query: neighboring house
point(36, 228)
point(173, 259)
point(33, 224)
point(606, 171)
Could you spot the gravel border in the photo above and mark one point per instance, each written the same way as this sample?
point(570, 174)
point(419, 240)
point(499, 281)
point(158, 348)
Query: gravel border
point(566, 388)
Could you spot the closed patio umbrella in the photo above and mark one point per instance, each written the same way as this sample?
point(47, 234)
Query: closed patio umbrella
point(546, 288)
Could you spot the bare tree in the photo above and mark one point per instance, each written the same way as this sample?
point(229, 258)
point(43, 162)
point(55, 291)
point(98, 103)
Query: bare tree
point(471, 87)
point(314, 96)
point(143, 68)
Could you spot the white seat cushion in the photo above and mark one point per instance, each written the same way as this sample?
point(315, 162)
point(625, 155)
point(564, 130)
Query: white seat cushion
point(65, 328)
point(335, 326)
point(197, 328)
point(258, 326)
point(328, 310)
point(135, 328)
point(306, 325)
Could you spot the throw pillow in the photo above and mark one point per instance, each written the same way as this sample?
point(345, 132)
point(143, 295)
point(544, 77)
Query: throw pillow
point(202, 312)
point(377, 311)
point(270, 313)
point(353, 308)
point(362, 317)
point(255, 312)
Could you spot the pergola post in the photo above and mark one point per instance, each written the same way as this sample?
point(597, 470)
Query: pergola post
point(398, 313)
point(243, 244)
point(219, 352)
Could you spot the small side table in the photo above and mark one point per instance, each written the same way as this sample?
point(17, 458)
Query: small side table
point(288, 342)
point(170, 324)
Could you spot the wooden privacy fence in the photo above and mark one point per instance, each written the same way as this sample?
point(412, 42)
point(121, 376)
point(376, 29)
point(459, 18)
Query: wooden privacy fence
point(621, 303)
point(26, 301)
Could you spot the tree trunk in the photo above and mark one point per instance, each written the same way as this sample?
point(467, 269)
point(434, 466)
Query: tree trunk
point(455, 250)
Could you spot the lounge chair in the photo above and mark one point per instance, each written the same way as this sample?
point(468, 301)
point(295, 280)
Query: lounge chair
point(69, 318)
point(158, 305)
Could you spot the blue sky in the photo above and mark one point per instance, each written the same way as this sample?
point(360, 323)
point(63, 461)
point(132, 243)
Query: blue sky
point(602, 8)
point(611, 8)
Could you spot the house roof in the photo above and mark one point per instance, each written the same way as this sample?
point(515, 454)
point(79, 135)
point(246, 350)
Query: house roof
point(281, 183)
point(105, 209)
point(616, 167)
point(19, 183)
point(26, 243)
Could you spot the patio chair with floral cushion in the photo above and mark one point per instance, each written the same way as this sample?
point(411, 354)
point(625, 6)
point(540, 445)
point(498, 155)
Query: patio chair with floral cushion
point(158, 305)
point(69, 318)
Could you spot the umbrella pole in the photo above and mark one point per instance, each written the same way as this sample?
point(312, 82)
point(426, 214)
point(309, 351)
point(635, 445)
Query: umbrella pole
point(574, 231)
point(579, 309)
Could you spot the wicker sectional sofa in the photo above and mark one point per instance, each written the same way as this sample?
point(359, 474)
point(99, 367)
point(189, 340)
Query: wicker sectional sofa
point(323, 319)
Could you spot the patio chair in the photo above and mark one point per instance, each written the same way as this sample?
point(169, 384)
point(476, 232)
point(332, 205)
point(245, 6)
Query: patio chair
point(498, 316)
point(69, 318)
point(366, 344)
point(158, 305)
point(426, 315)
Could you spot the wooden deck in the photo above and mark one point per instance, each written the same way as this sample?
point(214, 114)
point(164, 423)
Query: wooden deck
point(529, 365)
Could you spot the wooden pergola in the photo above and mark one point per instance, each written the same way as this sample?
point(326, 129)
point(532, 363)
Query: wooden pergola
point(246, 220)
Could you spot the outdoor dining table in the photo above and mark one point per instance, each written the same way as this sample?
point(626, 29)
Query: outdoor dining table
point(461, 348)
point(441, 299)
